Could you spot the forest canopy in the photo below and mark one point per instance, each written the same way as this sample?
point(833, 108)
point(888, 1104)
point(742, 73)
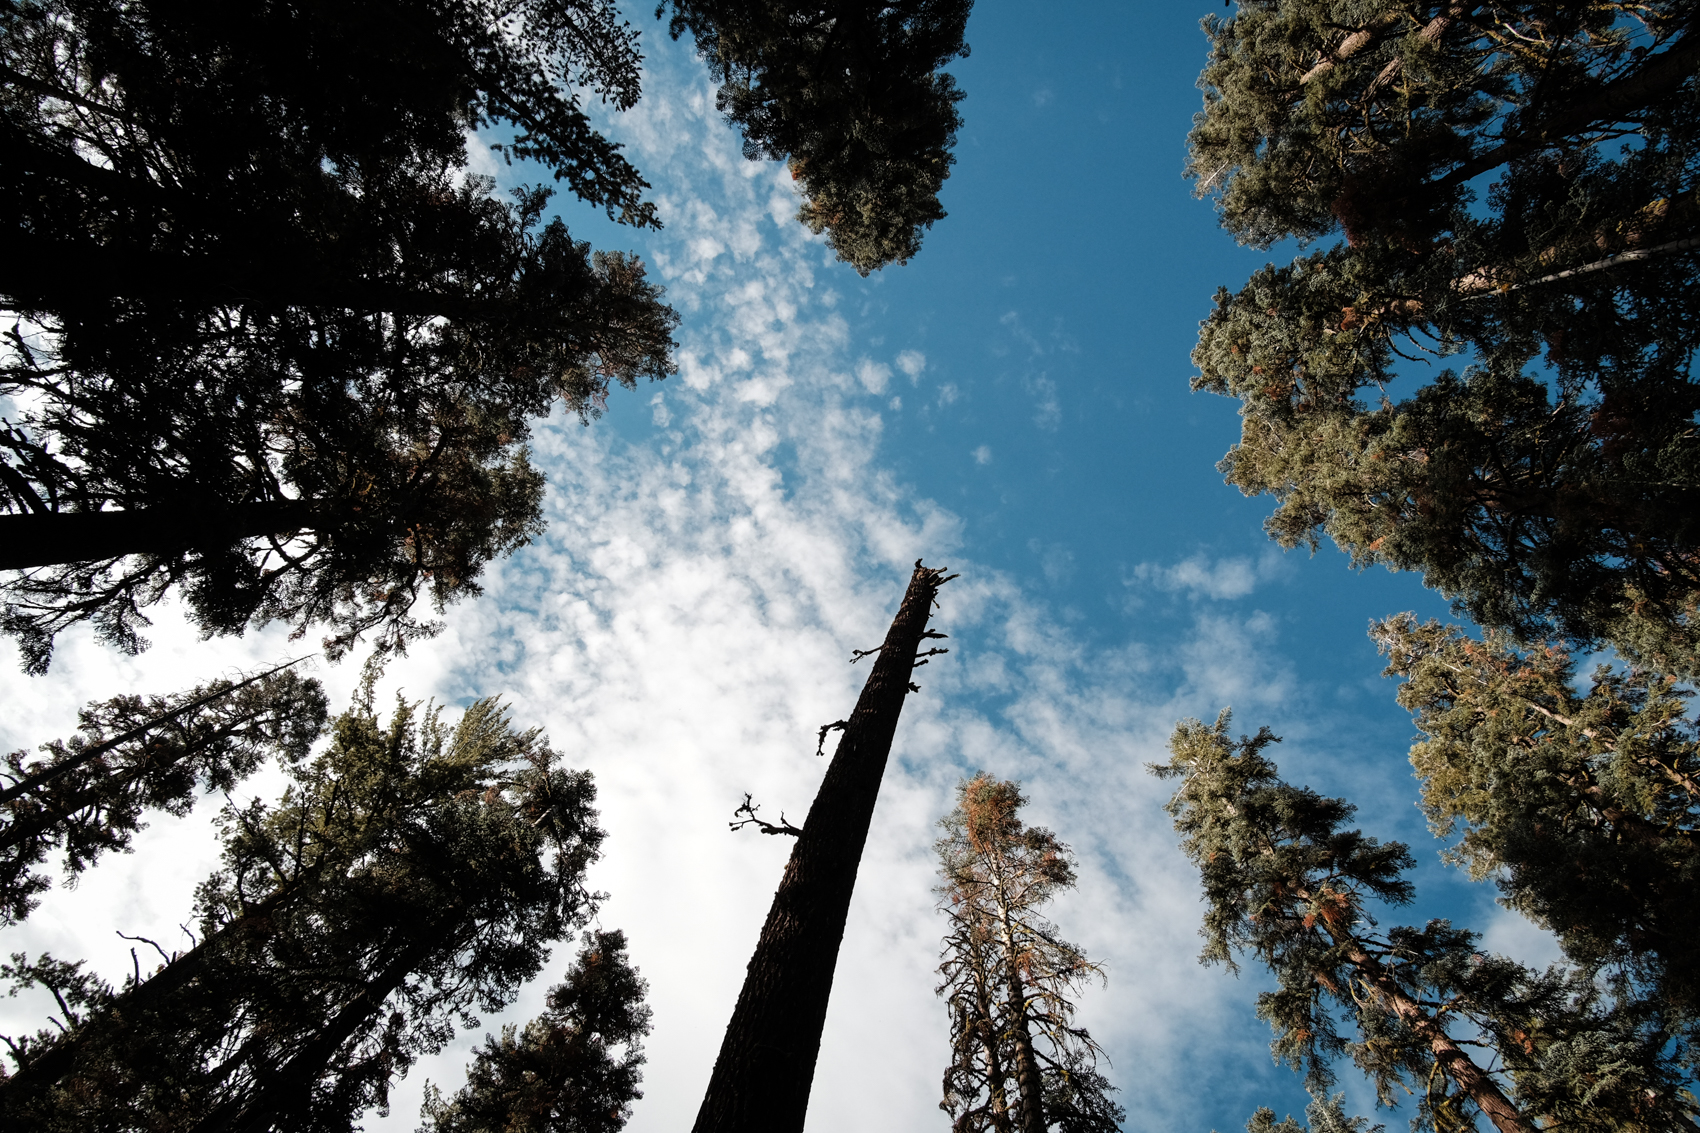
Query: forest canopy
point(1513, 185)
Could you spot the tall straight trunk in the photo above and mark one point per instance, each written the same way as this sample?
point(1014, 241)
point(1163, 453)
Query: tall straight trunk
point(994, 1064)
point(36, 539)
point(1032, 1114)
point(766, 1066)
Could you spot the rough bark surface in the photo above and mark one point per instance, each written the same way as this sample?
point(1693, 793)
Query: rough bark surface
point(766, 1066)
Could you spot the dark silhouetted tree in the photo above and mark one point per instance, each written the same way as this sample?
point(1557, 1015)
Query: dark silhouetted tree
point(574, 1069)
point(851, 95)
point(410, 876)
point(1018, 1061)
point(271, 350)
point(1428, 1012)
point(766, 1065)
point(1551, 487)
point(135, 754)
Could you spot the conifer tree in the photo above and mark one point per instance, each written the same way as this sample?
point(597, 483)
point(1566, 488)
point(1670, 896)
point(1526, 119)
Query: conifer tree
point(1550, 487)
point(1018, 1060)
point(574, 1069)
point(766, 1065)
point(136, 754)
point(411, 876)
point(1585, 806)
point(850, 94)
point(273, 351)
point(1466, 1032)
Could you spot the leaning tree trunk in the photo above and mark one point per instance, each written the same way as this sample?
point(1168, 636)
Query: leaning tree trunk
point(48, 538)
point(761, 1080)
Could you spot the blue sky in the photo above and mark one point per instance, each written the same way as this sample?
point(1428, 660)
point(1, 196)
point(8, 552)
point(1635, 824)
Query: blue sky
point(1014, 404)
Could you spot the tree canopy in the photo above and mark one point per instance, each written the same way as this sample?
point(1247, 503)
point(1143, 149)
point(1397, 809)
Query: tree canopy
point(574, 1069)
point(1585, 805)
point(271, 350)
point(135, 754)
point(1428, 1012)
point(1514, 184)
point(411, 876)
point(850, 94)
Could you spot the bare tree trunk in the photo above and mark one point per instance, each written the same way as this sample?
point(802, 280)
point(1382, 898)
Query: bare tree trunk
point(1032, 1115)
point(766, 1066)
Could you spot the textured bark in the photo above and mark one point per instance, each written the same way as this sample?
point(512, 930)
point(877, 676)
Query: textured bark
point(766, 1066)
point(37, 539)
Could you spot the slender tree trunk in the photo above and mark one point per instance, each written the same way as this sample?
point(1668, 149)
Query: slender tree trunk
point(994, 1064)
point(1032, 1115)
point(288, 1088)
point(1454, 1061)
point(766, 1066)
point(60, 1059)
point(38, 539)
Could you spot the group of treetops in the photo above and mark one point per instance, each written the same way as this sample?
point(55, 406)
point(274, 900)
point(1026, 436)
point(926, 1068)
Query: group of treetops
point(1515, 186)
point(273, 351)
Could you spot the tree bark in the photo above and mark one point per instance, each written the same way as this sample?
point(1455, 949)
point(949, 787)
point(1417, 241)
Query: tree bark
point(37, 539)
point(1032, 1115)
point(761, 1079)
point(1454, 1061)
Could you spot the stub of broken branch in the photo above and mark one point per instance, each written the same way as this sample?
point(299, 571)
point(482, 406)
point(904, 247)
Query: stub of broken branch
point(748, 810)
point(835, 726)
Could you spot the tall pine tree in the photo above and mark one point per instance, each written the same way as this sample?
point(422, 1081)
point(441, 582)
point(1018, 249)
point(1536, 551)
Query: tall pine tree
point(135, 754)
point(1426, 1012)
point(1018, 1061)
point(412, 875)
point(1514, 183)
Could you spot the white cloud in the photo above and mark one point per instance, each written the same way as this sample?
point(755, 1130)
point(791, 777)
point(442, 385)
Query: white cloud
point(873, 375)
point(1203, 577)
point(912, 362)
point(983, 454)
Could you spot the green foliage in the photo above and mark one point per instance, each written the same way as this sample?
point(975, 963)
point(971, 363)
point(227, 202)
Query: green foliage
point(1551, 487)
point(410, 877)
point(259, 307)
point(136, 754)
point(1285, 881)
point(1584, 805)
point(850, 93)
point(574, 1069)
point(1008, 977)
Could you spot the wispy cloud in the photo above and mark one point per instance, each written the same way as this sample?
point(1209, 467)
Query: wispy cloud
point(1201, 576)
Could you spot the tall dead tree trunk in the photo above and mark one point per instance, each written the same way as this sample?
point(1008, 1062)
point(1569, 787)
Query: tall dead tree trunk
point(766, 1066)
